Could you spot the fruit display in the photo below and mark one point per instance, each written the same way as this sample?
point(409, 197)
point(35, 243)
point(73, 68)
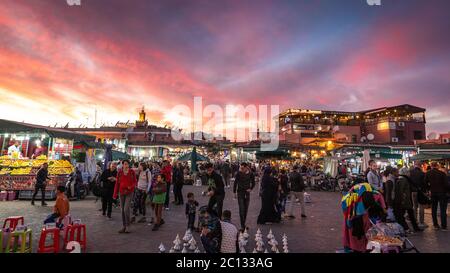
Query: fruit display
point(5, 162)
point(60, 171)
point(42, 157)
point(20, 163)
point(21, 171)
point(4, 157)
point(5, 171)
point(38, 163)
point(59, 164)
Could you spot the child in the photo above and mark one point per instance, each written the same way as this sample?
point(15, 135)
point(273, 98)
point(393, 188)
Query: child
point(61, 208)
point(159, 198)
point(191, 207)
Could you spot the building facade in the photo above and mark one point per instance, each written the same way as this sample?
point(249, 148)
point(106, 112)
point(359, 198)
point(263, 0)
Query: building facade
point(402, 125)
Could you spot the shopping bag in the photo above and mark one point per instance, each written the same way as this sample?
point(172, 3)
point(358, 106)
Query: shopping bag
point(307, 197)
point(390, 215)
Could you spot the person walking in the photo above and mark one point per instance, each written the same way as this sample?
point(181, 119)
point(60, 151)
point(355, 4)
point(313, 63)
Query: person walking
point(41, 182)
point(418, 180)
point(166, 171)
point(226, 173)
point(216, 190)
point(124, 189)
point(143, 188)
point(283, 192)
point(297, 187)
point(436, 181)
point(403, 201)
point(108, 180)
point(159, 199)
point(390, 175)
point(78, 182)
point(178, 182)
point(243, 184)
point(269, 188)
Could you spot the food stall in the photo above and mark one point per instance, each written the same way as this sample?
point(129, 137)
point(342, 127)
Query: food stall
point(20, 174)
point(37, 144)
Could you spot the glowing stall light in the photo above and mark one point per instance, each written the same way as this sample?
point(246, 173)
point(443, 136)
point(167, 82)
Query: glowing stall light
point(38, 142)
point(43, 136)
point(6, 135)
point(100, 156)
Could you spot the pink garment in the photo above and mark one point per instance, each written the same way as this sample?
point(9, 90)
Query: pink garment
point(353, 242)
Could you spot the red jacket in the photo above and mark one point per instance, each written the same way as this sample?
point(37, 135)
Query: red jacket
point(125, 184)
point(167, 173)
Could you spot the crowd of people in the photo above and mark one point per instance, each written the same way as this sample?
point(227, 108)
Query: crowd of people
point(408, 190)
point(130, 186)
point(388, 196)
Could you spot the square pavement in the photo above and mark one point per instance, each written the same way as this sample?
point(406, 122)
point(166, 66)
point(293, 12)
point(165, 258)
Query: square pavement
point(319, 233)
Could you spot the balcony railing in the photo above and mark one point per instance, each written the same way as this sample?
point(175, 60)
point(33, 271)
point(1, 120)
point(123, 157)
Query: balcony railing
point(394, 119)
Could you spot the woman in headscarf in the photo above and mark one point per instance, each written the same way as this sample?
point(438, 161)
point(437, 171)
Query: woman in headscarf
point(269, 190)
point(361, 206)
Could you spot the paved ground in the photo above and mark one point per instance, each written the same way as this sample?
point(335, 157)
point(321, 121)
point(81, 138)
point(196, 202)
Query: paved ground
point(319, 233)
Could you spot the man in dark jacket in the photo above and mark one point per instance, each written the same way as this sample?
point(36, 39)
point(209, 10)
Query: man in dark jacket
point(41, 182)
point(216, 190)
point(403, 202)
point(437, 183)
point(417, 177)
point(178, 182)
point(243, 185)
point(297, 188)
point(108, 180)
point(226, 172)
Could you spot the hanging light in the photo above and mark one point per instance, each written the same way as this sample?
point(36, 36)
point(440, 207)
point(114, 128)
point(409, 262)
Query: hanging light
point(6, 135)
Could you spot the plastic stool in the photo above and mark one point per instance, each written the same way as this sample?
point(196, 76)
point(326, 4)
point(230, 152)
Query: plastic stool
point(13, 221)
point(53, 248)
point(20, 241)
point(77, 233)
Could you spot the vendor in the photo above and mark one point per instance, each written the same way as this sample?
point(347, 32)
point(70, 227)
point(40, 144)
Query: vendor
point(14, 151)
point(38, 151)
point(362, 206)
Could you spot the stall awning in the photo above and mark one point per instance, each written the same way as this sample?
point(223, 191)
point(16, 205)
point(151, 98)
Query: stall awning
point(382, 156)
point(273, 154)
point(427, 156)
point(91, 144)
point(14, 127)
point(117, 155)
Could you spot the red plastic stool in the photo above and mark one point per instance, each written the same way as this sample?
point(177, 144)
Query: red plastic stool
point(53, 248)
point(77, 233)
point(13, 222)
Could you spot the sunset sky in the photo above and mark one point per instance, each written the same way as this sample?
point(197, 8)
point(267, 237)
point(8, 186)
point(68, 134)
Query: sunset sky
point(58, 62)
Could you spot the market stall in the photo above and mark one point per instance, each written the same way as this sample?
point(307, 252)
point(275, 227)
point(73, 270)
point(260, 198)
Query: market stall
point(25, 147)
point(20, 175)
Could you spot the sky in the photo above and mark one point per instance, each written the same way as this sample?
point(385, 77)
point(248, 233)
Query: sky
point(58, 63)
